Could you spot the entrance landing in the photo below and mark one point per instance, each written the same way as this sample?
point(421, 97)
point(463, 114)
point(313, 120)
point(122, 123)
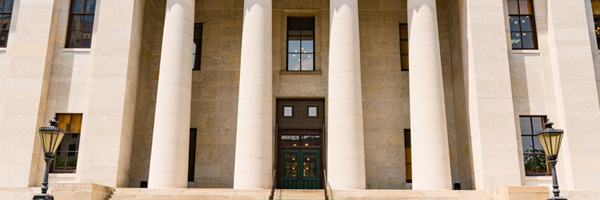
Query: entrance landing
point(263, 194)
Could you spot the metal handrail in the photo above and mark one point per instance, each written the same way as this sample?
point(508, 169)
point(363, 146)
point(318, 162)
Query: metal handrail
point(273, 187)
point(326, 186)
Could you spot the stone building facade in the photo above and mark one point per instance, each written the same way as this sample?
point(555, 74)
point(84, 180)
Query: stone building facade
point(137, 79)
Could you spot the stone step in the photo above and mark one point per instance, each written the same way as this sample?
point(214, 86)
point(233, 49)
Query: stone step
point(263, 194)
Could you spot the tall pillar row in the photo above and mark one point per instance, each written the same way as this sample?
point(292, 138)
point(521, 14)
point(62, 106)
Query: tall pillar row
point(429, 135)
point(253, 157)
point(346, 151)
point(170, 141)
point(254, 137)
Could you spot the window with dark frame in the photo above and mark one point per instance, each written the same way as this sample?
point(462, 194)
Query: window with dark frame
point(197, 45)
point(6, 7)
point(300, 43)
point(81, 23)
point(192, 155)
point(65, 160)
point(596, 11)
point(534, 157)
point(408, 155)
point(404, 47)
point(522, 24)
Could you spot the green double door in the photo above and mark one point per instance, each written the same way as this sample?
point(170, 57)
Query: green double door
point(300, 169)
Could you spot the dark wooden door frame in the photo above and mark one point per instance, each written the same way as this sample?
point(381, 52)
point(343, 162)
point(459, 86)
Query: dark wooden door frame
point(300, 132)
point(300, 124)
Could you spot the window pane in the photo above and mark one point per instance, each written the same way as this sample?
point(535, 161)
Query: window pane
point(60, 160)
point(64, 146)
point(596, 7)
point(527, 144)
point(294, 23)
point(63, 121)
point(73, 142)
point(3, 38)
point(290, 164)
point(528, 42)
point(71, 161)
point(77, 22)
point(541, 165)
point(312, 111)
point(408, 171)
point(597, 30)
point(404, 47)
point(307, 62)
point(538, 146)
point(308, 23)
point(308, 32)
point(87, 38)
point(537, 124)
point(525, 125)
point(293, 44)
point(90, 6)
point(77, 6)
point(8, 5)
point(403, 32)
point(516, 40)
point(307, 45)
point(404, 60)
point(290, 140)
point(514, 23)
point(529, 160)
point(293, 62)
point(311, 140)
point(88, 22)
point(408, 155)
point(294, 32)
point(75, 39)
point(310, 164)
point(513, 7)
point(525, 7)
point(6, 21)
point(287, 111)
point(75, 123)
point(525, 24)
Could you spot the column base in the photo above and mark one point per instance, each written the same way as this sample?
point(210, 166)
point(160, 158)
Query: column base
point(81, 191)
point(521, 193)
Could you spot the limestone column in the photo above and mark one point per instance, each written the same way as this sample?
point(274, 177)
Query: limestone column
point(254, 137)
point(170, 141)
point(430, 153)
point(346, 151)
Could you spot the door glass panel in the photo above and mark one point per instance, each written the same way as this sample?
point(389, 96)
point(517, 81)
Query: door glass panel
point(290, 164)
point(310, 164)
point(287, 111)
point(312, 111)
point(311, 140)
point(290, 140)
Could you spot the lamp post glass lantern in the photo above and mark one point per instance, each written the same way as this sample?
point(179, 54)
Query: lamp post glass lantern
point(550, 139)
point(50, 137)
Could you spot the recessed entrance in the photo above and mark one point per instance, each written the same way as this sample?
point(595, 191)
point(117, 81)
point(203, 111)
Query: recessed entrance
point(300, 144)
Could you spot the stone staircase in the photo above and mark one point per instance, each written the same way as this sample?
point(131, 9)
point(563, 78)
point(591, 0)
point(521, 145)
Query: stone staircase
point(263, 194)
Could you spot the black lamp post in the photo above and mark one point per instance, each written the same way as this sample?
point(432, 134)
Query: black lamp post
point(50, 137)
point(550, 139)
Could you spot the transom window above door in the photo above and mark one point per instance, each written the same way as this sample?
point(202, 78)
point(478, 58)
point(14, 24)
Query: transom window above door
point(300, 43)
